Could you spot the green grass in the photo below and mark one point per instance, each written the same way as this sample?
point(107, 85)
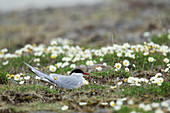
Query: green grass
point(98, 89)
point(151, 89)
point(162, 40)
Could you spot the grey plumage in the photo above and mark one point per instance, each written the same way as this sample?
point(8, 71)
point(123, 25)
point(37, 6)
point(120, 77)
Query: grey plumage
point(68, 82)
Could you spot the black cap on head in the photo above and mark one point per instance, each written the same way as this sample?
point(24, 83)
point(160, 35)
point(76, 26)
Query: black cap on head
point(76, 71)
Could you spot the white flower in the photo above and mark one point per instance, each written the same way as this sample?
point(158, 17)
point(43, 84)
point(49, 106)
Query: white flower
point(126, 63)
point(37, 77)
point(146, 53)
point(113, 87)
point(38, 64)
point(105, 64)
point(53, 42)
point(58, 65)
point(119, 102)
point(101, 59)
point(137, 84)
point(168, 109)
point(165, 104)
point(5, 63)
point(36, 60)
point(130, 80)
point(166, 60)
point(116, 69)
point(51, 87)
point(104, 103)
point(151, 59)
point(65, 64)
point(118, 65)
point(153, 80)
point(89, 63)
point(21, 82)
point(68, 72)
point(164, 54)
point(52, 68)
point(160, 80)
point(64, 108)
point(117, 108)
point(85, 82)
point(128, 54)
point(112, 103)
point(119, 83)
point(117, 78)
point(130, 102)
point(168, 65)
point(73, 66)
point(146, 34)
point(124, 99)
point(127, 69)
point(147, 107)
point(159, 111)
point(5, 50)
point(119, 54)
point(155, 105)
point(27, 77)
point(141, 105)
point(99, 68)
point(133, 65)
point(82, 103)
point(94, 61)
point(166, 70)
point(158, 75)
point(53, 55)
point(17, 77)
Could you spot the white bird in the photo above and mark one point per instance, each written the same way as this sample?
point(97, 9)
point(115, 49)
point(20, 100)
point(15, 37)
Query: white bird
point(75, 79)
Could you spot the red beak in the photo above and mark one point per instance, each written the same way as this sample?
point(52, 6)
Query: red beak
point(86, 74)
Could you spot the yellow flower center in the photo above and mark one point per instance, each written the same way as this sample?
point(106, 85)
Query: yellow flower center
point(55, 78)
point(113, 104)
point(34, 45)
point(152, 51)
point(118, 66)
point(47, 67)
point(17, 77)
point(12, 76)
point(125, 80)
point(53, 56)
point(8, 75)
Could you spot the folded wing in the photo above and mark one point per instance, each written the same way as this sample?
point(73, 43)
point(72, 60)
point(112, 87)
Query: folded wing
point(43, 76)
point(69, 82)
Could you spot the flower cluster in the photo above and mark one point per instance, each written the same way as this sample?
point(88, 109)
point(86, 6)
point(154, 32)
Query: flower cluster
point(157, 79)
point(19, 78)
point(157, 107)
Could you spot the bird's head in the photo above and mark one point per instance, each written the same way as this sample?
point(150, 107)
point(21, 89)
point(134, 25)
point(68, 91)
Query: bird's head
point(78, 71)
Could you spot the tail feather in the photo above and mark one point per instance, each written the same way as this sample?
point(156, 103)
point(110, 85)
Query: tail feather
point(41, 74)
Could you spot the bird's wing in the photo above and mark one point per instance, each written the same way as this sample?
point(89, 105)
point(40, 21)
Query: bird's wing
point(41, 74)
point(53, 75)
point(69, 82)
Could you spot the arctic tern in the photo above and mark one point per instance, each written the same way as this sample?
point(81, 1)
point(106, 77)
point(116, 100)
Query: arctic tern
point(75, 79)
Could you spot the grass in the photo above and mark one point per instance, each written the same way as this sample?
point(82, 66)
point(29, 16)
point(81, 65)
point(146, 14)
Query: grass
point(35, 95)
point(152, 89)
point(163, 39)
